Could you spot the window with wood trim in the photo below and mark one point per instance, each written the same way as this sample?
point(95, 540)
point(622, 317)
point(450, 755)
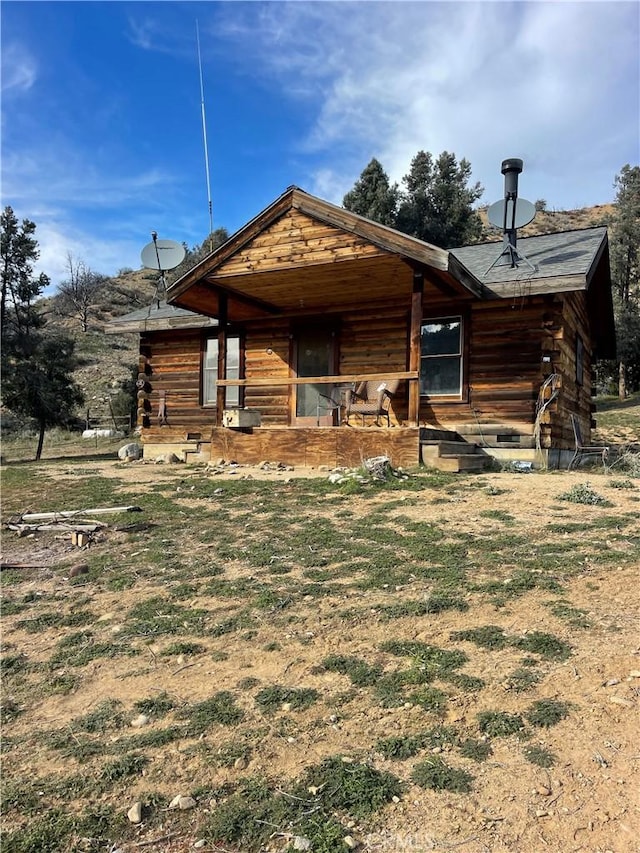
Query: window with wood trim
point(210, 371)
point(441, 343)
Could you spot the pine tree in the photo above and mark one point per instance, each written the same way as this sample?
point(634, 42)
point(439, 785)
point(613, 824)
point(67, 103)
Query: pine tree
point(372, 196)
point(36, 365)
point(625, 267)
point(437, 202)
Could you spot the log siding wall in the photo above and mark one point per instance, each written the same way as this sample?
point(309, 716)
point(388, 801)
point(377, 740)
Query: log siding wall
point(505, 344)
point(504, 368)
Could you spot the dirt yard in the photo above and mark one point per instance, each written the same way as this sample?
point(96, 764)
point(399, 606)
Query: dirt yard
point(259, 594)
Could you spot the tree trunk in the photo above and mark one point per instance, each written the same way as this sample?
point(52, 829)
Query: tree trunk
point(43, 427)
point(622, 382)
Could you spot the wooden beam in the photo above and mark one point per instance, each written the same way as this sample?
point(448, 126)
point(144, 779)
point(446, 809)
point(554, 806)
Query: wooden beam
point(222, 355)
point(318, 380)
point(243, 298)
point(415, 324)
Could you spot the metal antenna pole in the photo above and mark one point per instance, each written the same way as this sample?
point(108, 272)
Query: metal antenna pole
point(204, 136)
point(161, 280)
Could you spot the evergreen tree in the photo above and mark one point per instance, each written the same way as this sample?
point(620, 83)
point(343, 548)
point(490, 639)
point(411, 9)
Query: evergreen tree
point(625, 268)
point(372, 196)
point(437, 202)
point(18, 250)
point(36, 365)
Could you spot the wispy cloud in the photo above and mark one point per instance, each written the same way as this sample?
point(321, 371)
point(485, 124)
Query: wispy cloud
point(65, 176)
point(63, 192)
point(485, 80)
point(19, 69)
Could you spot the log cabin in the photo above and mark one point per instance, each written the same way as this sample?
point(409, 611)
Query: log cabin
point(260, 346)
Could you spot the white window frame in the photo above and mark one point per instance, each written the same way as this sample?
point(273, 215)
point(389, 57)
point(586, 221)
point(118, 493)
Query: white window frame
point(424, 359)
point(210, 372)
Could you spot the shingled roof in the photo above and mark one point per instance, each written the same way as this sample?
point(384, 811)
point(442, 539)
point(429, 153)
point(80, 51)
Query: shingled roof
point(157, 317)
point(563, 261)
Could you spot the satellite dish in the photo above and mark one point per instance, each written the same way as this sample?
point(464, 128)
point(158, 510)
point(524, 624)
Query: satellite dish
point(162, 254)
point(524, 211)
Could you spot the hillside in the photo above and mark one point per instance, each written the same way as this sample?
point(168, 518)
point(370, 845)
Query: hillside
point(554, 221)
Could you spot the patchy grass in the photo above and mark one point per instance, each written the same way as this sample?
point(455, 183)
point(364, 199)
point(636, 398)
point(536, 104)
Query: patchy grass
point(279, 698)
point(360, 673)
point(543, 644)
point(499, 723)
point(308, 621)
point(313, 807)
point(477, 750)
point(493, 637)
point(436, 774)
point(218, 709)
point(574, 616)
point(547, 712)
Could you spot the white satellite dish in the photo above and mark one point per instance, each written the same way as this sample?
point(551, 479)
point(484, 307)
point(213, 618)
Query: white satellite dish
point(524, 212)
point(162, 255)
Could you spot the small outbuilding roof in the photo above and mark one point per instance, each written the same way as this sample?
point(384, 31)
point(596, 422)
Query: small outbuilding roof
point(157, 317)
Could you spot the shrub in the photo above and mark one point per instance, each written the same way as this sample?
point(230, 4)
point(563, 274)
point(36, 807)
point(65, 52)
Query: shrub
point(547, 712)
point(434, 773)
point(539, 755)
point(582, 493)
point(499, 723)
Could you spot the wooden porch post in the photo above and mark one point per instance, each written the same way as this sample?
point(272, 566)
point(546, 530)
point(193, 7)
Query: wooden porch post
point(222, 356)
point(414, 345)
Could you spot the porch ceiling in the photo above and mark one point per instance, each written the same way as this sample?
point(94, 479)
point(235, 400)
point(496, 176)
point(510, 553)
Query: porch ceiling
point(315, 288)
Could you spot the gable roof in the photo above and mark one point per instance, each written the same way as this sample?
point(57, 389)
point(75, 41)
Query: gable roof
point(272, 266)
point(234, 269)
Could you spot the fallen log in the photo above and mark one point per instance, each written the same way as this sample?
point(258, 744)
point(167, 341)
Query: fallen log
point(61, 526)
point(44, 516)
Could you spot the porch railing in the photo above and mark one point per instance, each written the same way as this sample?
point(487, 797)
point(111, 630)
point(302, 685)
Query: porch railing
point(412, 376)
point(317, 380)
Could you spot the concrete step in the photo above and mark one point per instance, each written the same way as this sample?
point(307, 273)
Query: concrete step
point(446, 448)
point(456, 464)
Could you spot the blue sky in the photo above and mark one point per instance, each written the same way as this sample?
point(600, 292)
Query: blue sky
point(101, 109)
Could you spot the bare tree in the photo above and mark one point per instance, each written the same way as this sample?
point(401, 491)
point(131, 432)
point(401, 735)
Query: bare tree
point(78, 295)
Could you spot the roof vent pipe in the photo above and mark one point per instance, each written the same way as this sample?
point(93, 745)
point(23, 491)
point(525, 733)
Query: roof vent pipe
point(511, 215)
point(510, 169)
